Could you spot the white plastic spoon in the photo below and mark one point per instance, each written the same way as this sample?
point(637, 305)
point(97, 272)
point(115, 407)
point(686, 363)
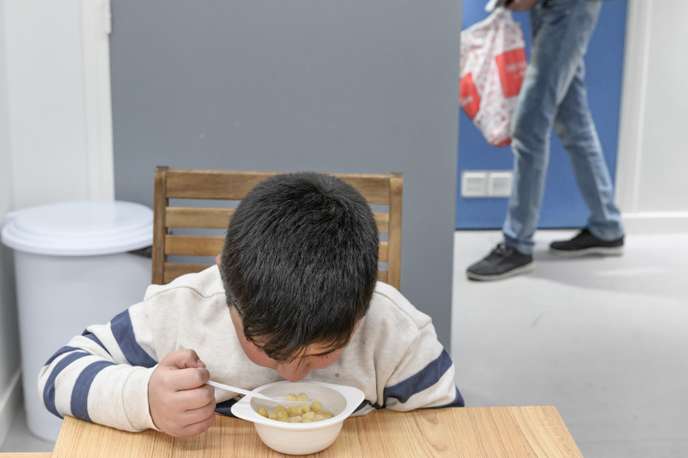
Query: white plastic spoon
point(252, 394)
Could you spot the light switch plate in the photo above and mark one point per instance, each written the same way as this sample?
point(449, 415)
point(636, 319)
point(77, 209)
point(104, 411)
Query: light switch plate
point(499, 184)
point(474, 184)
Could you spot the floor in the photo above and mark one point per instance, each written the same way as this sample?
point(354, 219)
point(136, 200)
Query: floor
point(605, 340)
point(19, 439)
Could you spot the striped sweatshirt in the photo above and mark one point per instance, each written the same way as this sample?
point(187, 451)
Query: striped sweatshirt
point(102, 375)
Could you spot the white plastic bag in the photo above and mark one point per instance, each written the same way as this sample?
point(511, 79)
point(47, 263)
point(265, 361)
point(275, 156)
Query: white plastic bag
point(493, 62)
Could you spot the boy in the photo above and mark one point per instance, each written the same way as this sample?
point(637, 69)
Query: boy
point(294, 295)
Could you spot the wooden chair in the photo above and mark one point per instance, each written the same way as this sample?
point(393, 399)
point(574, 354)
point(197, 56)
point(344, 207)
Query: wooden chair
point(217, 185)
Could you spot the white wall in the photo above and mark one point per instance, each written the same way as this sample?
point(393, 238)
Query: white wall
point(653, 159)
point(55, 130)
point(49, 107)
point(9, 357)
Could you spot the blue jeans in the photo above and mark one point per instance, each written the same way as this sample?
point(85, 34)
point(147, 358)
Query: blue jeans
point(554, 95)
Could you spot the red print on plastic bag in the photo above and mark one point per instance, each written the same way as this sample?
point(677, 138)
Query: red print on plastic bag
point(512, 66)
point(468, 96)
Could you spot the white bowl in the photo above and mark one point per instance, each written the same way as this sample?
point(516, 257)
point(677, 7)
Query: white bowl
point(301, 438)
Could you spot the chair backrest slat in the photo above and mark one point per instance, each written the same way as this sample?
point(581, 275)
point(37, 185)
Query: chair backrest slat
point(212, 218)
point(223, 185)
point(171, 221)
point(218, 218)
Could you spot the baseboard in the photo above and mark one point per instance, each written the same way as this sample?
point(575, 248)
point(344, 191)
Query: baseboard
point(656, 222)
point(10, 401)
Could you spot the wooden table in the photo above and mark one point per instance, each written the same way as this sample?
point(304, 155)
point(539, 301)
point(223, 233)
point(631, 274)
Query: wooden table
point(25, 455)
point(471, 432)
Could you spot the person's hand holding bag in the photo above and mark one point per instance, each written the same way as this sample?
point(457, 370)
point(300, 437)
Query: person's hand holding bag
point(520, 5)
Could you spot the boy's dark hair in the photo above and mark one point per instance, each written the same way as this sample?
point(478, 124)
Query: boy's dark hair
point(300, 262)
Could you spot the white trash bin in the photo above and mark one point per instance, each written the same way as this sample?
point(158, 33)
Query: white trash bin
point(73, 268)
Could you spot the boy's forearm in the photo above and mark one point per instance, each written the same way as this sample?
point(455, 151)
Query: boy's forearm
point(120, 398)
point(101, 376)
point(95, 389)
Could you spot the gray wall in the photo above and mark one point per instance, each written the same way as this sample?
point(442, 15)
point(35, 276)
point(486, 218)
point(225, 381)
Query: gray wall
point(340, 86)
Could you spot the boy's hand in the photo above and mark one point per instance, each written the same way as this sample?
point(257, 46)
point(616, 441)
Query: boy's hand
point(180, 402)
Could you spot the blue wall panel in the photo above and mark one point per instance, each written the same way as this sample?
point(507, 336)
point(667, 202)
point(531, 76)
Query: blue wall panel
point(562, 204)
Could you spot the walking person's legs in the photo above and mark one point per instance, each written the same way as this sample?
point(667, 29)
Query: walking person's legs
point(562, 30)
point(576, 129)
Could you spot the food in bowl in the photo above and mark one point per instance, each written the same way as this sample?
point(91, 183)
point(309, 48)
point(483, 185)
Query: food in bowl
point(307, 412)
point(301, 438)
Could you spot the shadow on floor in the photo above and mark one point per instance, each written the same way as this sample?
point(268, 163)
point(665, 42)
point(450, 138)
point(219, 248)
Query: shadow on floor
point(642, 272)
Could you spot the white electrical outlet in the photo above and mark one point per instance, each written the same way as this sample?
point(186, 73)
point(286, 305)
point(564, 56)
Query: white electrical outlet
point(473, 184)
point(499, 184)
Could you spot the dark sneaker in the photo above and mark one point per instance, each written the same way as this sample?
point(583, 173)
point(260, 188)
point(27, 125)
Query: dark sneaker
point(586, 243)
point(502, 262)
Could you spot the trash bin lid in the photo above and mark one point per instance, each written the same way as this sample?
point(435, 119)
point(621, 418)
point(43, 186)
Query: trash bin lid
point(80, 228)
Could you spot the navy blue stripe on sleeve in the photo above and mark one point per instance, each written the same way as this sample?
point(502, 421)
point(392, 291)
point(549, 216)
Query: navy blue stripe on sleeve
point(89, 335)
point(49, 388)
point(124, 335)
point(79, 402)
point(427, 377)
point(60, 351)
point(457, 402)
